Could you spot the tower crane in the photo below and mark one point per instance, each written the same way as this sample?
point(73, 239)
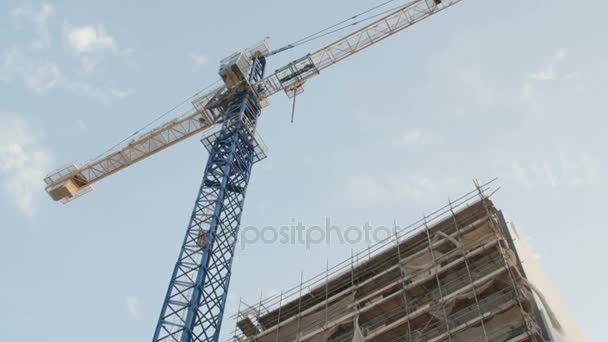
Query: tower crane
point(227, 117)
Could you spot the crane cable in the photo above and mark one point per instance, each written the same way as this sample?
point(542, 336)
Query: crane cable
point(334, 28)
point(158, 118)
point(357, 22)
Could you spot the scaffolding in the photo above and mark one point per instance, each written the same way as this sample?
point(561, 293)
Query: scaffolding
point(453, 275)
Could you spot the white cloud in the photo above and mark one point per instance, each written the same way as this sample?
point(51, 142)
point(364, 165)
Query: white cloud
point(89, 38)
point(413, 137)
point(39, 21)
point(456, 73)
point(581, 170)
point(551, 71)
point(121, 94)
point(41, 76)
point(548, 72)
point(133, 307)
point(38, 75)
point(199, 59)
point(9, 65)
point(80, 125)
point(473, 80)
point(527, 93)
point(366, 190)
point(584, 170)
point(415, 188)
point(24, 162)
point(82, 88)
point(547, 170)
point(89, 64)
point(91, 43)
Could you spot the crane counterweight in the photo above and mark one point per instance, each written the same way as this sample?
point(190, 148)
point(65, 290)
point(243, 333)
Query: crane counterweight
point(65, 189)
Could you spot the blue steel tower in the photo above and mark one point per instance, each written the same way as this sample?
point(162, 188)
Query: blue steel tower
point(194, 304)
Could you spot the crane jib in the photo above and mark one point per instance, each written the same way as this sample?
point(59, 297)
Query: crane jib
point(74, 180)
point(292, 77)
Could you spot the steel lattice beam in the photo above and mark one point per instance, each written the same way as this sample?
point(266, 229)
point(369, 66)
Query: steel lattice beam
point(73, 181)
point(194, 304)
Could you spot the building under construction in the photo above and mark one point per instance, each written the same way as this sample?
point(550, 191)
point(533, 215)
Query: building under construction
point(453, 276)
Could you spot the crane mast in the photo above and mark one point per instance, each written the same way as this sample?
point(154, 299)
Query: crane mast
point(194, 304)
point(227, 117)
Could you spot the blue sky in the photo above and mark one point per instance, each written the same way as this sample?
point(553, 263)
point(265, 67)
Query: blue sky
point(514, 90)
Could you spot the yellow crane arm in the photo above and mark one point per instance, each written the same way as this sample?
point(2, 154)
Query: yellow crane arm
point(291, 77)
point(74, 180)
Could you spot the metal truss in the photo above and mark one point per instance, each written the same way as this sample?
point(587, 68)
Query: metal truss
point(194, 304)
point(191, 123)
point(291, 77)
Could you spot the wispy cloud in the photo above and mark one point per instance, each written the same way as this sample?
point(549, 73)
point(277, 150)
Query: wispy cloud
point(549, 72)
point(413, 137)
point(37, 19)
point(365, 189)
point(133, 307)
point(38, 75)
point(89, 38)
point(42, 75)
point(89, 64)
point(80, 125)
point(91, 44)
point(199, 59)
point(368, 190)
point(24, 161)
point(574, 171)
point(456, 73)
point(40, 72)
point(121, 94)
